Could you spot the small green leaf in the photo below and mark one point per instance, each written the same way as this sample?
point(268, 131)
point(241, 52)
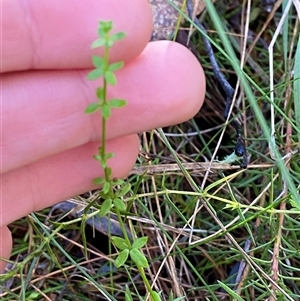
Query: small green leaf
point(118, 36)
point(102, 34)
point(103, 163)
point(106, 187)
point(100, 94)
point(105, 207)
point(121, 258)
point(98, 157)
point(140, 242)
point(99, 181)
point(120, 243)
point(117, 103)
point(128, 296)
point(34, 296)
point(106, 25)
point(108, 169)
point(98, 43)
point(110, 77)
point(124, 189)
point(109, 43)
point(104, 196)
point(119, 204)
point(139, 258)
point(98, 61)
point(99, 149)
point(106, 111)
point(116, 66)
point(156, 296)
point(93, 107)
point(109, 155)
point(94, 74)
point(117, 182)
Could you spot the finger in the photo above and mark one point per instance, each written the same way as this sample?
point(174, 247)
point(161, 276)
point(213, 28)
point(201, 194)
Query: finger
point(5, 246)
point(43, 111)
point(57, 34)
point(56, 178)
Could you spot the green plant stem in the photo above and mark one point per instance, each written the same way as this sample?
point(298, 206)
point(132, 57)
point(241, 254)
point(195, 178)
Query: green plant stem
point(123, 228)
point(103, 135)
point(146, 282)
point(111, 198)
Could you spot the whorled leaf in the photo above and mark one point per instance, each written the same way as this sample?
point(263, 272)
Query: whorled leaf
point(98, 43)
point(98, 61)
point(94, 74)
point(110, 77)
point(106, 111)
point(140, 242)
point(105, 27)
point(120, 243)
point(106, 187)
point(139, 258)
point(116, 66)
point(105, 207)
point(119, 204)
point(92, 108)
point(100, 94)
point(99, 181)
point(121, 258)
point(123, 190)
point(117, 103)
point(118, 36)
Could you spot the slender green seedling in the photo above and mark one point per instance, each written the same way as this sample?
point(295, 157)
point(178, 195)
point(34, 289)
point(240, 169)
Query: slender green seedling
point(113, 190)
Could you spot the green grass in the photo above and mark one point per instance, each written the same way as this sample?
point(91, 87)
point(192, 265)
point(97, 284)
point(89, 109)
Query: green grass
point(200, 223)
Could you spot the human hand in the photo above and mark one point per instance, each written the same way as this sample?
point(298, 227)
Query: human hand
point(47, 141)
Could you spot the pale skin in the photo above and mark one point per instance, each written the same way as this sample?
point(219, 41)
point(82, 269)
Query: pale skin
point(47, 141)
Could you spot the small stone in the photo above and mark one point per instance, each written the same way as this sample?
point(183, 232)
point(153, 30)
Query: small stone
point(165, 17)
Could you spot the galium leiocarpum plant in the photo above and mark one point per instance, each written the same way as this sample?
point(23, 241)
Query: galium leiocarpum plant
point(114, 189)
